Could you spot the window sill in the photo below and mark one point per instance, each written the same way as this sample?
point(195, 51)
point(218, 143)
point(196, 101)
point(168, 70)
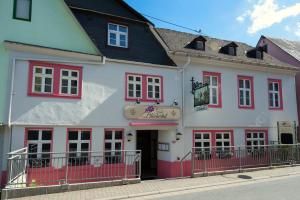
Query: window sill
point(53, 95)
point(145, 100)
point(247, 108)
point(276, 109)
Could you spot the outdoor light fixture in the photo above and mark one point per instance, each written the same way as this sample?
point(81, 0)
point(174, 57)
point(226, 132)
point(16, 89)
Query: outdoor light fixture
point(138, 101)
point(157, 102)
point(129, 137)
point(175, 103)
point(178, 136)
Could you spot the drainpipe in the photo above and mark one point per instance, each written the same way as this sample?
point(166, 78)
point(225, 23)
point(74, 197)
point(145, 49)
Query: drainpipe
point(10, 100)
point(183, 81)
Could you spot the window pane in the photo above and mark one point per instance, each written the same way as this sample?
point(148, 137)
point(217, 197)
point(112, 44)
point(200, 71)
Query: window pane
point(73, 135)
point(38, 70)
point(113, 27)
point(248, 135)
point(65, 73)
point(32, 148)
point(64, 90)
point(38, 80)
point(48, 81)
point(130, 78)
point(74, 74)
point(157, 80)
point(214, 96)
point(247, 84)
point(85, 135)
point(150, 80)
point(73, 90)
point(261, 135)
point(108, 135)
point(118, 146)
point(48, 88)
point(46, 147)
point(85, 147)
point(72, 147)
point(219, 136)
point(198, 144)
point(276, 86)
point(122, 43)
point(198, 136)
point(150, 94)
point(138, 79)
point(64, 82)
point(118, 135)
point(271, 86)
point(23, 9)
point(38, 88)
point(46, 135)
point(214, 81)
point(33, 135)
point(206, 136)
point(123, 29)
point(107, 146)
point(226, 136)
point(74, 83)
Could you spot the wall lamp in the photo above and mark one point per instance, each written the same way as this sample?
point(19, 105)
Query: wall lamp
point(175, 103)
point(129, 137)
point(178, 136)
point(138, 101)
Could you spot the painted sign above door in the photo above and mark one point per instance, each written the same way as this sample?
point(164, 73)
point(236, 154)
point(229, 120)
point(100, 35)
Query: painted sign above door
point(144, 112)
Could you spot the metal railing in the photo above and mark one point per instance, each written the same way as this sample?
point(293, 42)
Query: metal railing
point(45, 169)
point(218, 159)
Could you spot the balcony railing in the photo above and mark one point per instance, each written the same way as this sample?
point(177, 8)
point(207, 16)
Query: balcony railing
point(46, 169)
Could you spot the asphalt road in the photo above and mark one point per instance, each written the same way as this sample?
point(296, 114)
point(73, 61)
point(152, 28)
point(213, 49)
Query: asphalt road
point(284, 188)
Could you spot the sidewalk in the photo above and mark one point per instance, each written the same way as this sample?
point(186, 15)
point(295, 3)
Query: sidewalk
point(165, 186)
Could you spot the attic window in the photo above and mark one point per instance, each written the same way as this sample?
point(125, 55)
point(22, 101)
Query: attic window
point(259, 54)
point(22, 10)
point(199, 45)
point(231, 51)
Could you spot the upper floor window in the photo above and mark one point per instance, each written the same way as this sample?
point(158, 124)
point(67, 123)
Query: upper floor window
point(275, 94)
point(39, 143)
point(144, 87)
point(22, 9)
point(79, 143)
point(246, 92)
point(117, 35)
point(214, 81)
point(54, 80)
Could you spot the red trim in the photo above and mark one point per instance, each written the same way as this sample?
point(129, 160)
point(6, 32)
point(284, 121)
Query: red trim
point(270, 80)
point(56, 80)
point(218, 75)
point(37, 129)
point(265, 131)
point(250, 78)
point(152, 124)
point(144, 97)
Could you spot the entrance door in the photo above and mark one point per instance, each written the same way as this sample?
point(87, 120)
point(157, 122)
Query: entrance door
point(147, 143)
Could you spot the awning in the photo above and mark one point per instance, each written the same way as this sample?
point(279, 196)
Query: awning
point(153, 125)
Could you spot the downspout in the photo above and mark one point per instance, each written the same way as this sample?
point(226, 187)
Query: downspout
point(183, 81)
point(10, 101)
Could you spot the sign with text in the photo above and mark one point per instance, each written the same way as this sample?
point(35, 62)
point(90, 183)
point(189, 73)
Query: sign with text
point(144, 112)
point(201, 96)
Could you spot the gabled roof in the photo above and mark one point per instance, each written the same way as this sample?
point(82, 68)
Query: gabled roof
point(178, 41)
point(291, 47)
point(102, 6)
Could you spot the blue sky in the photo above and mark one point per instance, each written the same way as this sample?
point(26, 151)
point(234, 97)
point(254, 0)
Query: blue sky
point(240, 20)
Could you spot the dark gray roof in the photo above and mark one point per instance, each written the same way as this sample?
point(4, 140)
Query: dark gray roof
point(179, 41)
point(291, 47)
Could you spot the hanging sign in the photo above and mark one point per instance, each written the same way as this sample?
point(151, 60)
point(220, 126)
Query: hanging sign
point(201, 96)
point(144, 112)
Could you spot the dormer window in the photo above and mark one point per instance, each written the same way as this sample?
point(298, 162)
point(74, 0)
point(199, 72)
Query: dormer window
point(229, 49)
point(199, 45)
point(256, 53)
point(117, 35)
point(22, 9)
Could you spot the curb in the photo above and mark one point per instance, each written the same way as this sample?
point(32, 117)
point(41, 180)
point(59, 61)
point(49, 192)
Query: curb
point(198, 187)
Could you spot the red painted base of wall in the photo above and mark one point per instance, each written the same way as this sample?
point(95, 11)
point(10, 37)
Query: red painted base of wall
point(3, 179)
point(166, 169)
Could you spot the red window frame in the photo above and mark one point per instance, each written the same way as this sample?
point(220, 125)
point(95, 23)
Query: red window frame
point(213, 136)
point(252, 104)
point(56, 81)
point(279, 81)
point(144, 81)
point(265, 131)
point(218, 75)
point(79, 129)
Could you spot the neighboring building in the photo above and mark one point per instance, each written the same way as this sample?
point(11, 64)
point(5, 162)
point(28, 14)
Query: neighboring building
point(250, 92)
point(45, 28)
point(286, 51)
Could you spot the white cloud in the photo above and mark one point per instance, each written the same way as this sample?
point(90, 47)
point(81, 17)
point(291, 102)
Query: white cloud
point(266, 13)
point(287, 28)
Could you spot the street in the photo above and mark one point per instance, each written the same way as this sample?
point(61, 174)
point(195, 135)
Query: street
point(283, 188)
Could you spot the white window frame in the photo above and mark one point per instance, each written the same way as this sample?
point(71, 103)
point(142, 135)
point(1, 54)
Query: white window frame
point(39, 142)
point(113, 140)
point(273, 92)
point(223, 140)
point(258, 139)
point(211, 87)
point(244, 91)
point(79, 141)
point(203, 149)
point(118, 35)
point(134, 82)
point(69, 78)
point(153, 84)
point(43, 76)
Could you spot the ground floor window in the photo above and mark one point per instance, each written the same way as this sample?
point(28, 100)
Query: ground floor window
point(79, 145)
point(39, 144)
point(113, 139)
point(256, 139)
point(216, 142)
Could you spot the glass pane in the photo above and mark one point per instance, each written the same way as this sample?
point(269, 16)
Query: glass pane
point(73, 135)
point(150, 80)
point(130, 86)
point(198, 136)
point(218, 144)
point(150, 88)
point(38, 88)
point(113, 27)
point(130, 93)
point(108, 135)
point(138, 87)
point(23, 9)
point(46, 147)
point(49, 71)
point(206, 136)
point(48, 81)
point(138, 79)
point(226, 144)
point(74, 74)
point(247, 84)
point(271, 100)
point(248, 135)
point(198, 144)
point(38, 80)
point(157, 95)
point(85, 147)
point(241, 84)
point(206, 79)
point(214, 96)
point(85, 135)
point(122, 43)
point(157, 80)
point(249, 143)
point(214, 81)
point(64, 82)
point(65, 73)
point(32, 148)
point(46, 135)
point(118, 135)
point(226, 136)
point(157, 88)
point(218, 136)
point(107, 146)
point(270, 86)
point(130, 78)
point(276, 86)
point(48, 88)
point(261, 135)
point(123, 29)
point(73, 83)
point(138, 94)
point(118, 146)
point(254, 135)
point(38, 70)
point(123, 38)
point(33, 135)
point(150, 94)
point(206, 144)
point(64, 90)
point(74, 90)
point(72, 147)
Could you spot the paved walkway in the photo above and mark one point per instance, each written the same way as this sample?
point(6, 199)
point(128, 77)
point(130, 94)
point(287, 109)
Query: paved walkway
point(165, 186)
